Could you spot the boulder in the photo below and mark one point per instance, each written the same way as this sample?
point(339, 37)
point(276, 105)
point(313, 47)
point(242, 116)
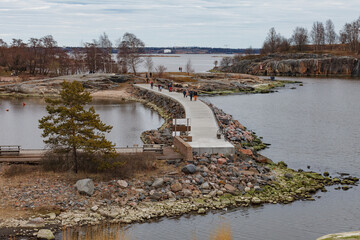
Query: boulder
point(247, 152)
point(288, 175)
point(187, 192)
point(175, 187)
point(158, 182)
point(189, 169)
point(221, 161)
point(85, 186)
point(230, 188)
point(205, 185)
point(256, 200)
point(122, 183)
point(45, 234)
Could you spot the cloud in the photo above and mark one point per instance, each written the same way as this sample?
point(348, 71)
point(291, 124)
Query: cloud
point(213, 23)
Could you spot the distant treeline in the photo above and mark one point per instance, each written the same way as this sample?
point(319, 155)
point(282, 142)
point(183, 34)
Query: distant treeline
point(321, 37)
point(42, 56)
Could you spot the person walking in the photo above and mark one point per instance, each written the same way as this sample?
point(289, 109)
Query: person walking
point(191, 95)
point(184, 92)
point(195, 95)
point(151, 84)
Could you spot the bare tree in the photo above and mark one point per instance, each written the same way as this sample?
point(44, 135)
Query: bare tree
point(300, 38)
point(35, 46)
point(330, 34)
point(149, 64)
point(216, 63)
point(350, 35)
point(271, 41)
point(92, 56)
point(318, 35)
point(188, 67)
point(17, 56)
point(225, 62)
point(49, 54)
point(160, 70)
point(249, 51)
point(3, 50)
point(105, 50)
point(129, 52)
point(283, 45)
point(274, 42)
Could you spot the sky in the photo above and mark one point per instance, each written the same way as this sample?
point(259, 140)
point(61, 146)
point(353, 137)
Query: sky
point(168, 23)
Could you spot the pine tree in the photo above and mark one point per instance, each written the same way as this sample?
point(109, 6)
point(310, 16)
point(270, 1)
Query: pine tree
point(69, 127)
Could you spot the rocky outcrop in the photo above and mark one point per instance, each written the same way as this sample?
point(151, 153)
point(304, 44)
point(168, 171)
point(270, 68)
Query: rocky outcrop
point(298, 65)
point(52, 86)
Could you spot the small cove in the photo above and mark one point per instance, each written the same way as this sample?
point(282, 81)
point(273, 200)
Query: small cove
point(20, 123)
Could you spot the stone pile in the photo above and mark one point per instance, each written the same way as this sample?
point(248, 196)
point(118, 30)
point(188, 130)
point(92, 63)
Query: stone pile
point(236, 133)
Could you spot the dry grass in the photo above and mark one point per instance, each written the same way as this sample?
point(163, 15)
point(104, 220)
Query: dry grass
point(179, 76)
point(18, 169)
point(131, 164)
point(121, 165)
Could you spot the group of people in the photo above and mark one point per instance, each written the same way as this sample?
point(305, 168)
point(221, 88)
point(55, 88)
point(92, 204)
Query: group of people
point(191, 94)
point(187, 93)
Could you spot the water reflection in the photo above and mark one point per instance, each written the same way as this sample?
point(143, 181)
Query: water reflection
point(19, 125)
point(109, 232)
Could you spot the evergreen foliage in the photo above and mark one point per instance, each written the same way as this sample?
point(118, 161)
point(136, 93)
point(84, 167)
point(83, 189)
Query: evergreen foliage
point(69, 127)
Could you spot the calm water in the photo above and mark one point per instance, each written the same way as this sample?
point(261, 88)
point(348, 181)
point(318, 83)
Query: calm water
point(200, 62)
point(316, 125)
point(19, 125)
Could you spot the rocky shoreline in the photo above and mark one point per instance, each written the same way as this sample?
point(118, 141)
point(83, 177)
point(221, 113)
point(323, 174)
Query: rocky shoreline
point(208, 182)
point(301, 64)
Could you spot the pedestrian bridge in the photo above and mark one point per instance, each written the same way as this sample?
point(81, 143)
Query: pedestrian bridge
point(204, 127)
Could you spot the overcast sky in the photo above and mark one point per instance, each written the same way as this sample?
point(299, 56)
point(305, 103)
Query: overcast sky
point(161, 23)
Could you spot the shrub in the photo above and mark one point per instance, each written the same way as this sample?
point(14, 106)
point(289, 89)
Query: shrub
point(120, 165)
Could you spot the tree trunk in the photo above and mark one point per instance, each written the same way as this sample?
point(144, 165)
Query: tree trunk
point(75, 160)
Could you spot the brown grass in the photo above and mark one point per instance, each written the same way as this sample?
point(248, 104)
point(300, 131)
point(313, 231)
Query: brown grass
point(18, 169)
point(104, 167)
point(179, 76)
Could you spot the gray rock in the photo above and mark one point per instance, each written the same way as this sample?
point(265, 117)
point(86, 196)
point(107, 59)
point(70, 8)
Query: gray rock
point(123, 183)
point(45, 234)
point(230, 188)
point(94, 208)
point(175, 187)
point(51, 215)
point(155, 196)
point(158, 182)
point(187, 192)
point(85, 186)
point(256, 200)
point(288, 175)
point(189, 169)
point(205, 185)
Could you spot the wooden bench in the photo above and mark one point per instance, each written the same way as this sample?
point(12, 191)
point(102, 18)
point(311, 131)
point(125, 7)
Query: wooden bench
point(153, 148)
point(9, 149)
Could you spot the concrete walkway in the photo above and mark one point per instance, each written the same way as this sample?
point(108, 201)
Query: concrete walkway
point(203, 123)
